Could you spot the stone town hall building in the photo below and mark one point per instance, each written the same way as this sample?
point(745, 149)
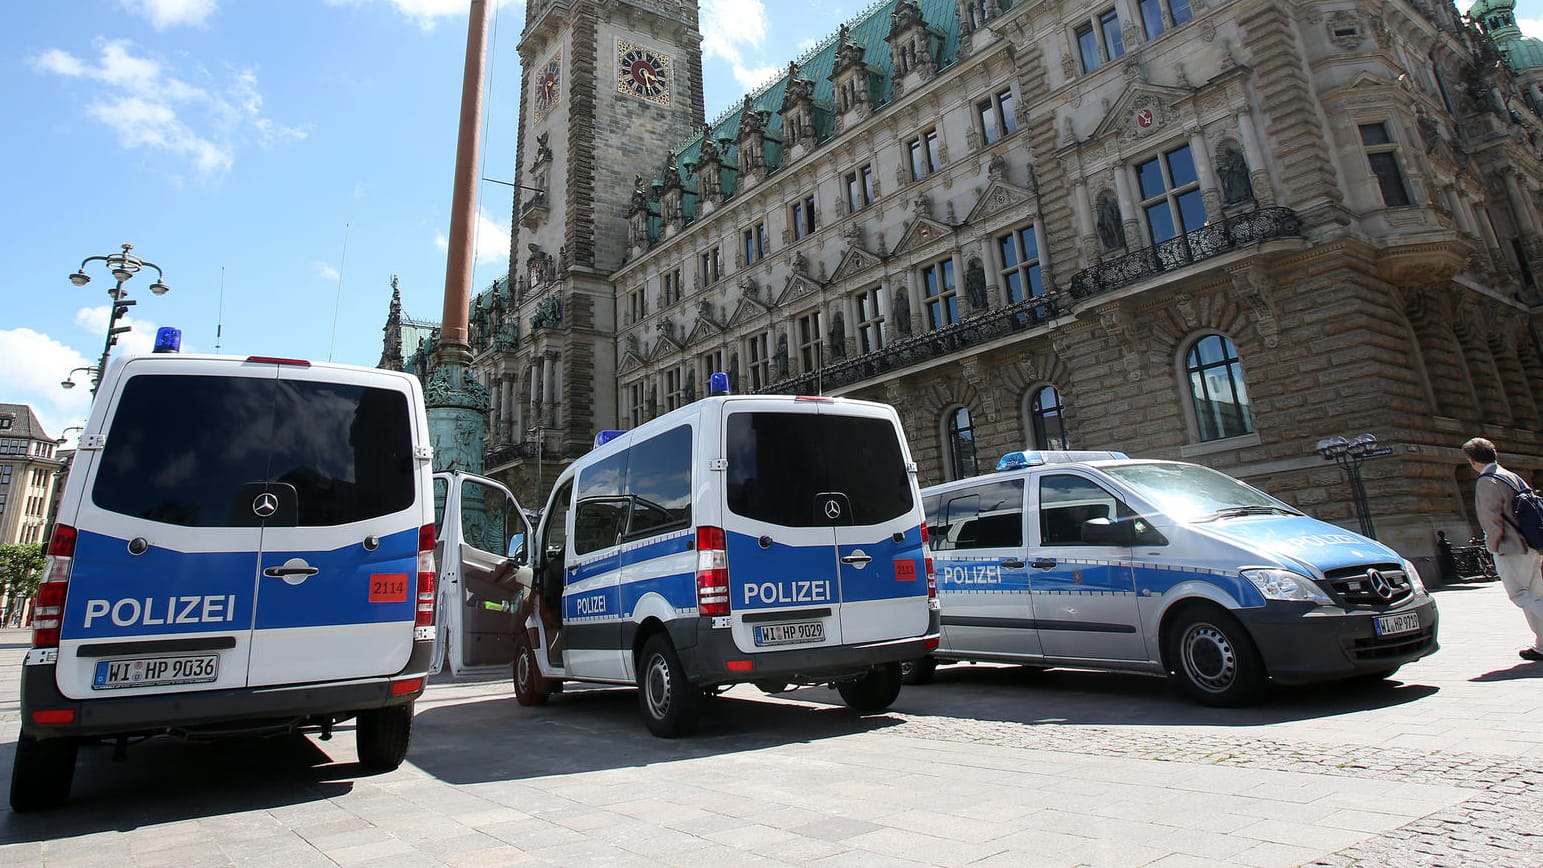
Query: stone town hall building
point(1211, 230)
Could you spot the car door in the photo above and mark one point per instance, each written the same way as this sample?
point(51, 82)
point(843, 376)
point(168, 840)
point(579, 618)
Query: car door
point(983, 581)
point(481, 551)
point(1084, 596)
point(337, 570)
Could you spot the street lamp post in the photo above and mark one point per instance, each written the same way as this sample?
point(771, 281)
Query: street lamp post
point(69, 380)
point(539, 432)
point(1348, 453)
point(123, 266)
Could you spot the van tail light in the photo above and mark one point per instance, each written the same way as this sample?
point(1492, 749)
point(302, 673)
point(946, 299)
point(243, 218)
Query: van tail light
point(425, 615)
point(48, 611)
point(932, 577)
point(712, 571)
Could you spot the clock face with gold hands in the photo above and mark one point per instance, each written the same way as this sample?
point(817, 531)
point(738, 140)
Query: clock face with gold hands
point(549, 86)
point(643, 72)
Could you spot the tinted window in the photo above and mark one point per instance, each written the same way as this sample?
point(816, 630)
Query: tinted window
point(188, 450)
point(988, 516)
point(659, 482)
point(779, 462)
point(488, 517)
point(1065, 502)
point(601, 510)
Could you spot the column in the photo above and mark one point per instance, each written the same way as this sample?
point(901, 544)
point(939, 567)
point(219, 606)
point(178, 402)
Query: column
point(1264, 194)
point(1128, 208)
point(1210, 190)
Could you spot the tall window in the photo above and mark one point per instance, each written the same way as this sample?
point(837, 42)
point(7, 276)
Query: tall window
point(1152, 15)
point(1382, 153)
point(870, 306)
point(925, 155)
point(637, 305)
point(1099, 40)
point(940, 295)
point(674, 389)
point(1170, 195)
point(708, 364)
point(670, 287)
point(1020, 264)
point(759, 353)
point(860, 189)
point(637, 411)
point(1216, 388)
point(755, 242)
point(1047, 424)
point(809, 342)
point(801, 217)
point(996, 116)
point(961, 445)
point(710, 266)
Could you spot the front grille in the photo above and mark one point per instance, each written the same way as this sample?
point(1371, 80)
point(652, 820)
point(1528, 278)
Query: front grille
point(1357, 586)
point(1402, 645)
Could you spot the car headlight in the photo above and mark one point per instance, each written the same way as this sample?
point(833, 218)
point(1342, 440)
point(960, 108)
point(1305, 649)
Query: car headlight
point(1414, 578)
point(1286, 585)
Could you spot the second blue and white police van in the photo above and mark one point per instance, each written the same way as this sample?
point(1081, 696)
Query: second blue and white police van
point(772, 540)
point(1094, 560)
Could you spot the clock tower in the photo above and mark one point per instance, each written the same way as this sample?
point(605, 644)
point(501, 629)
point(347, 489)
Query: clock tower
point(608, 89)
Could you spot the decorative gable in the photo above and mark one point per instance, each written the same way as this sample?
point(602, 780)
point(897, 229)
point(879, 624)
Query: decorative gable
point(999, 196)
point(854, 262)
point(1142, 110)
point(921, 232)
point(797, 287)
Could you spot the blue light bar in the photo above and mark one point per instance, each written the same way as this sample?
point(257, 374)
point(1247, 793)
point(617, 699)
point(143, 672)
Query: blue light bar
point(718, 383)
point(168, 340)
point(607, 436)
point(1037, 457)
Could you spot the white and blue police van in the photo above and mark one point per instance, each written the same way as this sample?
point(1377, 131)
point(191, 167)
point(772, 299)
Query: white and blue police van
point(244, 546)
point(1095, 560)
point(773, 540)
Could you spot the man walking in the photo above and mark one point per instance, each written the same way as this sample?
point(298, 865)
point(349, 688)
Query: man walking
point(1518, 566)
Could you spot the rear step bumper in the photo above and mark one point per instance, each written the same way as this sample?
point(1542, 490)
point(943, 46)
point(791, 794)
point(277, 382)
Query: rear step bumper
point(706, 662)
point(248, 710)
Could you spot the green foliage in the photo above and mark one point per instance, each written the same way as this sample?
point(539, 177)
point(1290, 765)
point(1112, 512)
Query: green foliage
point(21, 568)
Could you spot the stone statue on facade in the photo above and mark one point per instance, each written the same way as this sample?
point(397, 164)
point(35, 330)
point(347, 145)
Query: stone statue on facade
point(1111, 232)
point(1232, 170)
point(975, 283)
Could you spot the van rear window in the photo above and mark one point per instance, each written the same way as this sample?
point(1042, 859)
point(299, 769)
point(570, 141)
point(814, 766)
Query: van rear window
point(190, 450)
point(779, 462)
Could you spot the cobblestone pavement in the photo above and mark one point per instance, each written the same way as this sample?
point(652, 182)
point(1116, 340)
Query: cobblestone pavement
point(987, 765)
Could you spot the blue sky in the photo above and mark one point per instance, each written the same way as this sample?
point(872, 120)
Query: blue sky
point(280, 160)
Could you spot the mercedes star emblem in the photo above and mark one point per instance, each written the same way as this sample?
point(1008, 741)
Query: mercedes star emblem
point(1380, 584)
point(832, 509)
point(265, 505)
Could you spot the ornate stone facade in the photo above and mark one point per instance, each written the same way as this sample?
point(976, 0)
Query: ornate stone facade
point(1343, 206)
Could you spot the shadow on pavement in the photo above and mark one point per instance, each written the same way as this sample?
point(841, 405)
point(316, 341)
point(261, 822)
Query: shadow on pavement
point(1074, 696)
point(1516, 672)
point(164, 780)
point(588, 729)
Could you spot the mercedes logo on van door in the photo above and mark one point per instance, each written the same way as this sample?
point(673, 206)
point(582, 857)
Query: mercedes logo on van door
point(832, 509)
point(265, 505)
point(1380, 584)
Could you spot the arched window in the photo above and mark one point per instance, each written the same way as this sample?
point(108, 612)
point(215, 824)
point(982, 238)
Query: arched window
point(961, 445)
point(1216, 388)
point(1047, 423)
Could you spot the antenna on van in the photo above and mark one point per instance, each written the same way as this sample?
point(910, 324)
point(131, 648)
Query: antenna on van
point(219, 318)
point(339, 300)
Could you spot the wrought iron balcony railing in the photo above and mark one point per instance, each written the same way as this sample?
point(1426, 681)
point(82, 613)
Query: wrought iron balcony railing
point(1213, 239)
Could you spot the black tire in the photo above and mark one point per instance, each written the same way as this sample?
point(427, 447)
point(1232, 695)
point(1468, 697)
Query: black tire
point(918, 671)
point(1213, 659)
point(768, 686)
point(668, 700)
point(383, 735)
point(530, 686)
point(42, 772)
point(875, 691)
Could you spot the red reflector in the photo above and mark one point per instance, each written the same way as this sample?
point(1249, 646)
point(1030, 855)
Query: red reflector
point(62, 543)
point(814, 398)
point(406, 686)
point(930, 644)
point(54, 716)
point(275, 360)
point(740, 665)
point(426, 538)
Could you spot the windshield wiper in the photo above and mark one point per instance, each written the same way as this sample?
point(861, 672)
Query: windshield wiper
point(1256, 509)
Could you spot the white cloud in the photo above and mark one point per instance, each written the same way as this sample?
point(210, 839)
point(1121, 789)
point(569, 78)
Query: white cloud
point(426, 13)
point(729, 29)
point(1531, 26)
point(325, 271)
point(146, 106)
point(492, 240)
point(43, 363)
point(170, 13)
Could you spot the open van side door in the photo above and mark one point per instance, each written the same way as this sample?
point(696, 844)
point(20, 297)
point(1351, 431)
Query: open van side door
point(482, 553)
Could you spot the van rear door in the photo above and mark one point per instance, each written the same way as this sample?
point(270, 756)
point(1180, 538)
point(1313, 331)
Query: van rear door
point(481, 545)
point(165, 566)
point(822, 525)
point(337, 570)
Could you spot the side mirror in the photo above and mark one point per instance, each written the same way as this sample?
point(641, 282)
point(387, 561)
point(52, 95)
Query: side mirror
point(517, 548)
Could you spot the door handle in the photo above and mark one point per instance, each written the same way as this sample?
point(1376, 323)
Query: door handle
point(1042, 563)
point(1012, 564)
point(284, 571)
point(856, 559)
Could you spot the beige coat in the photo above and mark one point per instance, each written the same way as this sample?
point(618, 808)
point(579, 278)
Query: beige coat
point(1492, 500)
